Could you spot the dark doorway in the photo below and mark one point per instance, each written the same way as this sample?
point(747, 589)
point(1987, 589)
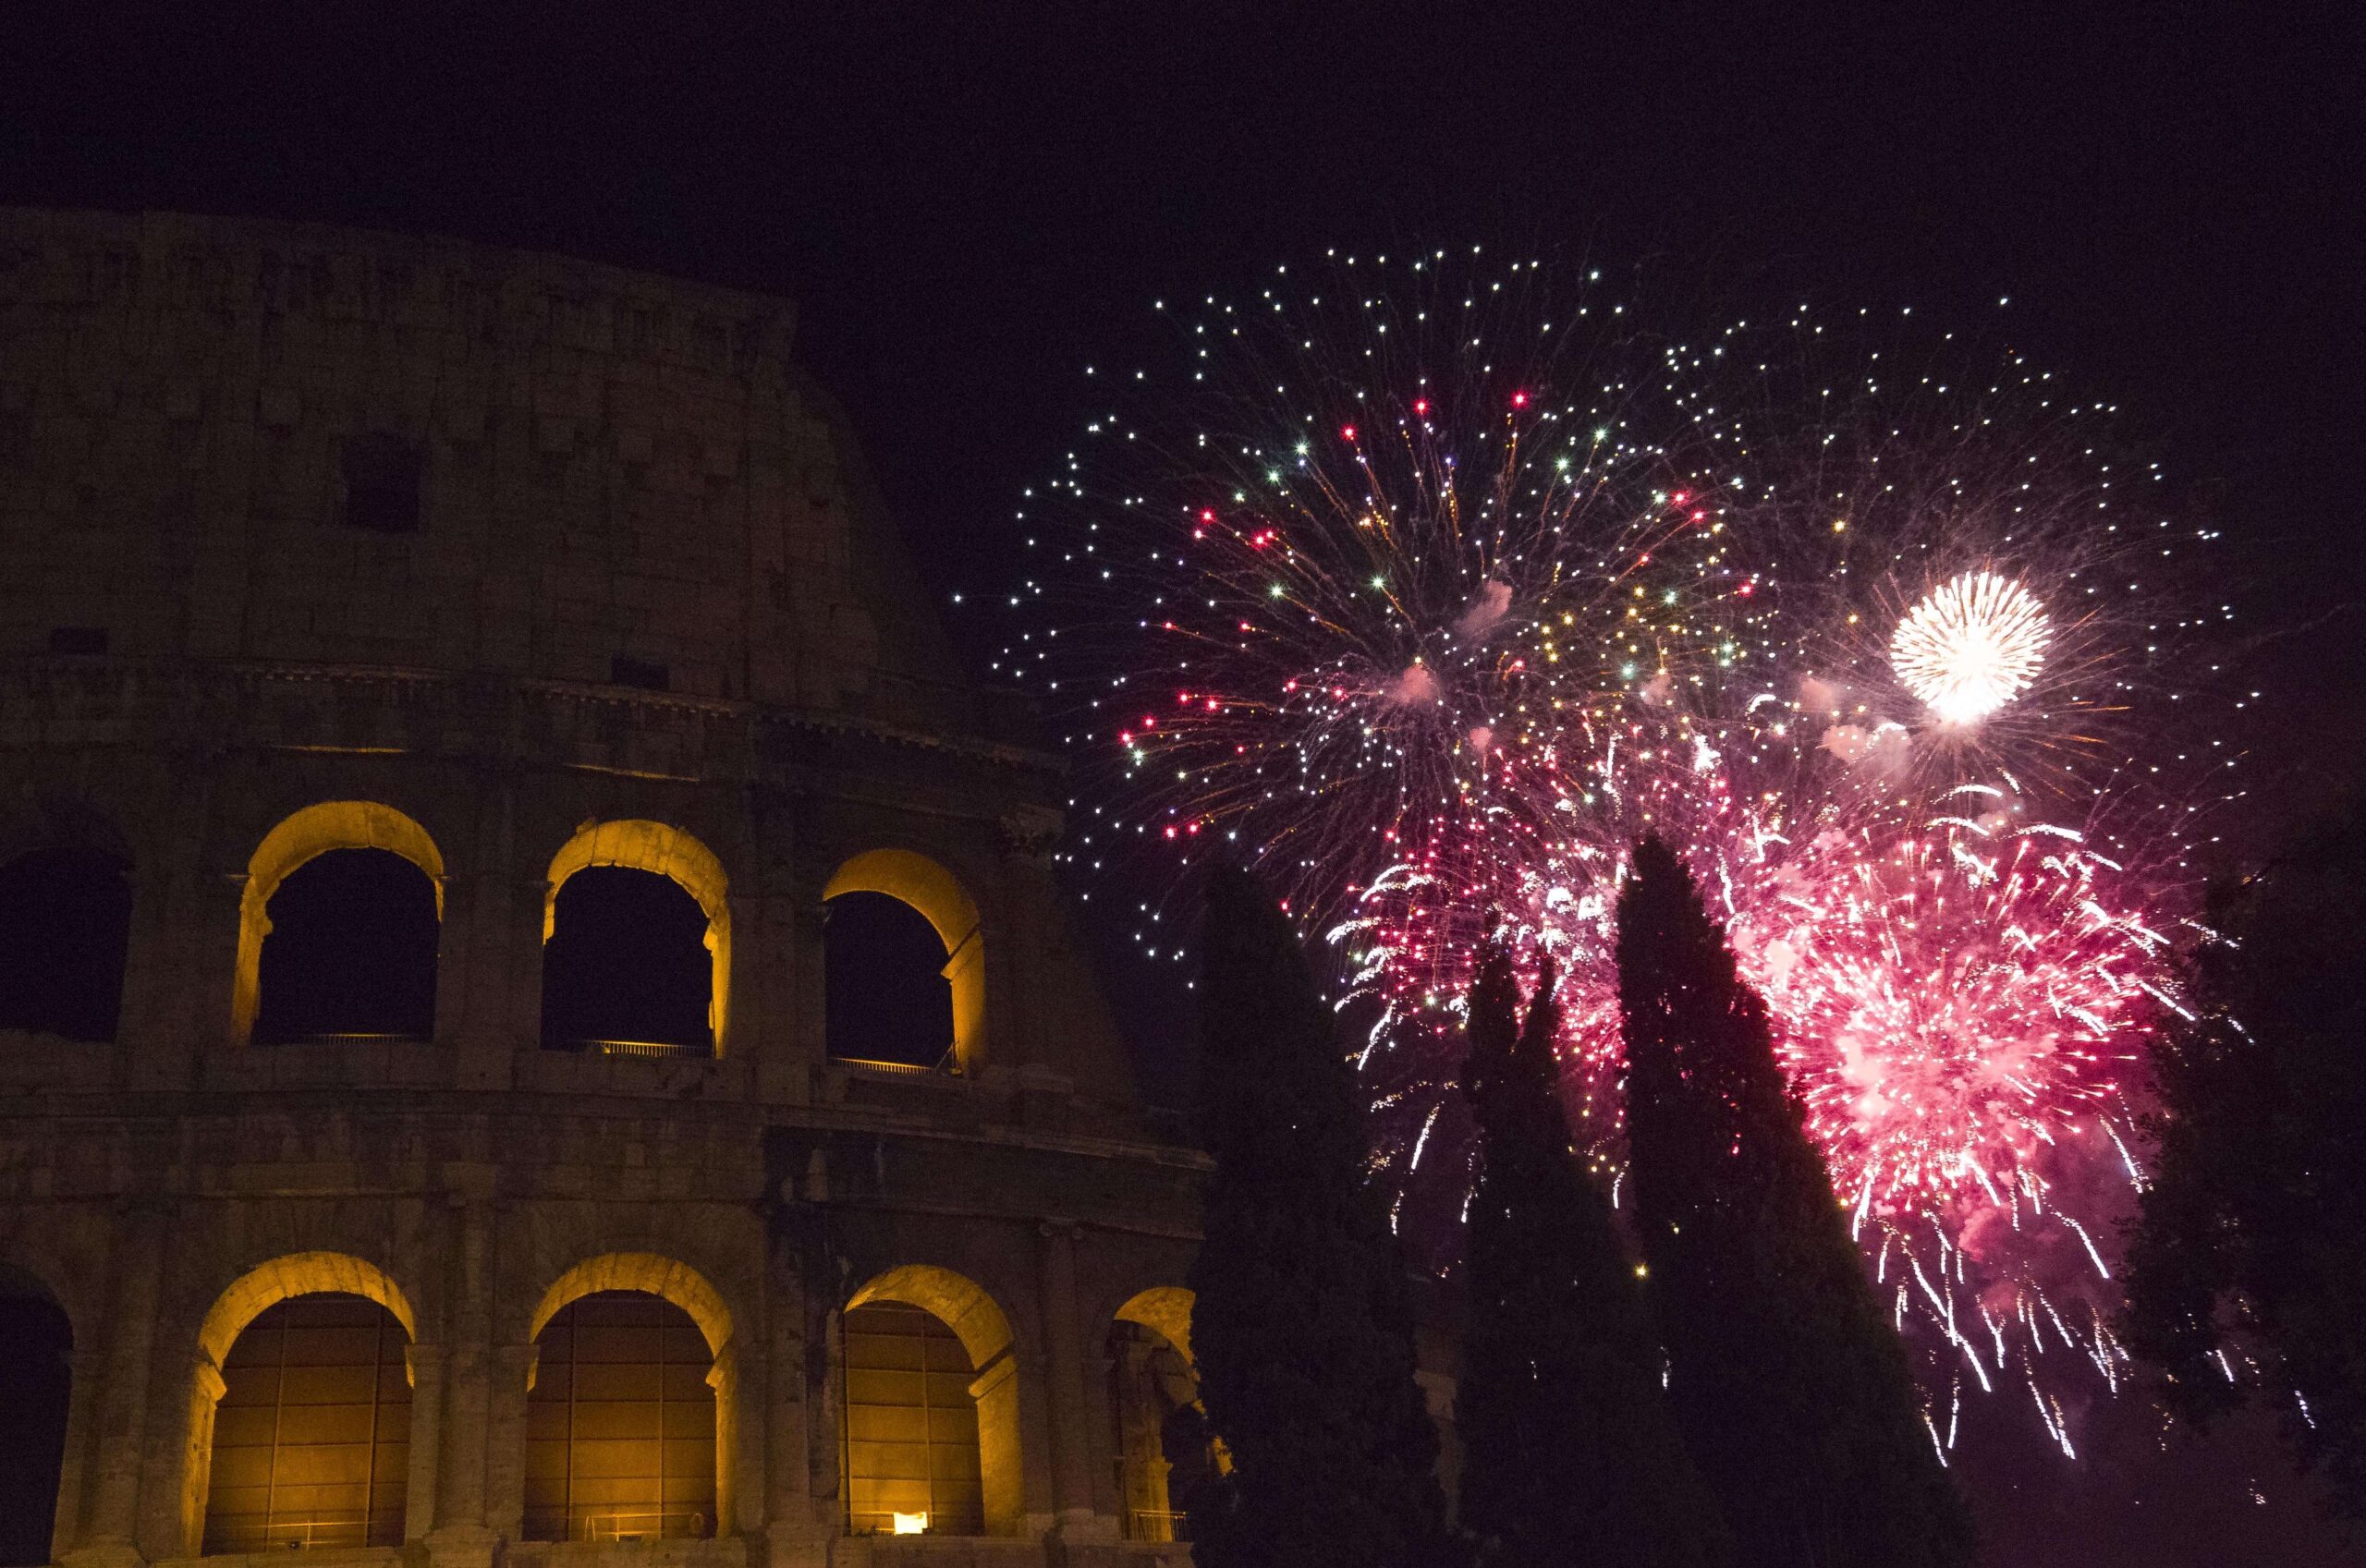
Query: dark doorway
point(64, 924)
point(36, 1378)
point(351, 952)
point(627, 968)
point(888, 997)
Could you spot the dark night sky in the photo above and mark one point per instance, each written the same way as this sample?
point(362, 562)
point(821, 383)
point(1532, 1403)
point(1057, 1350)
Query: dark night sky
point(972, 201)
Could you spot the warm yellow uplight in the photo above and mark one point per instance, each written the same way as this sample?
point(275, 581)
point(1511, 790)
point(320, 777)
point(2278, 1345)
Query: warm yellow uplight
point(911, 1523)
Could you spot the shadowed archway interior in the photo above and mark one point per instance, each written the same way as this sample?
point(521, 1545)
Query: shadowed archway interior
point(351, 950)
point(887, 998)
point(36, 1379)
point(65, 926)
point(627, 966)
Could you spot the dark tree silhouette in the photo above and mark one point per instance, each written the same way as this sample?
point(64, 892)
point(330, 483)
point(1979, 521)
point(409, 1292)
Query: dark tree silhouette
point(1569, 1454)
point(1302, 1322)
point(1787, 1379)
point(2252, 1232)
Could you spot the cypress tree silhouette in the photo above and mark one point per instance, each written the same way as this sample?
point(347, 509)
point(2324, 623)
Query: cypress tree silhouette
point(1786, 1378)
point(1569, 1454)
point(2253, 1232)
point(1301, 1321)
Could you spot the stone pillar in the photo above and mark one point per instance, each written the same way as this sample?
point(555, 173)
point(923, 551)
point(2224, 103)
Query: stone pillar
point(1106, 1426)
point(424, 1365)
point(1001, 1447)
point(769, 1022)
point(513, 1371)
point(85, 1367)
point(515, 987)
point(1029, 898)
point(184, 945)
point(825, 1413)
point(1064, 1398)
point(118, 1439)
point(743, 949)
point(724, 1379)
point(803, 1030)
point(475, 955)
point(460, 1537)
point(796, 1529)
point(148, 1003)
point(197, 1452)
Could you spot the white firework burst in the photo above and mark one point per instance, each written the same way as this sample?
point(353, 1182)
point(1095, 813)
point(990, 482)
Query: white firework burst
point(1972, 645)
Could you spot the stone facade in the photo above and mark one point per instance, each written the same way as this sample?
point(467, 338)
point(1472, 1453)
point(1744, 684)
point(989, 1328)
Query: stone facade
point(211, 667)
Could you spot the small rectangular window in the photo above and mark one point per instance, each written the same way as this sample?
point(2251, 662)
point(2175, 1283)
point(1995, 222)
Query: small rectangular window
point(78, 640)
point(382, 474)
point(641, 673)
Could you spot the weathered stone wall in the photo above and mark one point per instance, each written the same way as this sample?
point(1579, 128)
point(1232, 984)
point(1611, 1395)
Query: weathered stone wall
point(615, 465)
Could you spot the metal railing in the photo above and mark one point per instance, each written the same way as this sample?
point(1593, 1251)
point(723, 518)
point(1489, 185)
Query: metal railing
point(296, 1535)
point(639, 1527)
point(1157, 1525)
point(648, 1050)
point(947, 1067)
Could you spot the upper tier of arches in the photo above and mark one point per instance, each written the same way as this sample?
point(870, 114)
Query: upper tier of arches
point(341, 933)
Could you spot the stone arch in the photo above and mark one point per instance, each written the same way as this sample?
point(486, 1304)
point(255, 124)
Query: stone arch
point(984, 1329)
point(642, 845)
point(938, 894)
point(678, 1283)
point(647, 1271)
point(297, 1273)
point(1164, 1309)
point(245, 1299)
point(1164, 1449)
point(63, 823)
point(316, 830)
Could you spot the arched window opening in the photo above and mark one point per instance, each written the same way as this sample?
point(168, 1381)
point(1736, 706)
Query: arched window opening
point(910, 1456)
point(311, 1435)
point(36, 1381)
point(627, 969)
point(349, 951)
point(1165, 1456)
point(888, 997)
point(620, 1423)
point(64, 925)
point(921, 884)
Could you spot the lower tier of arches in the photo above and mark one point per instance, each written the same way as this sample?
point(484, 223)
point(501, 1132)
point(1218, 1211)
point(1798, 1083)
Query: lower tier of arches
point(500, 1363)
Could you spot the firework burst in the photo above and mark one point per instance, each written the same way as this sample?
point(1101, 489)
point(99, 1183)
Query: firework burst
point(1971, 645)
point(1428, 585)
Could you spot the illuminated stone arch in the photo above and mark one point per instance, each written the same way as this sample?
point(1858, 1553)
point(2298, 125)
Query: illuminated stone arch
point(1167, 1310)
point(674, 1282)
point(964, 1306)
point(938, 894)
point(642, 845)
point(1147, 1387)
point(316, 830)
point(666, 1278)
point(246, 1298)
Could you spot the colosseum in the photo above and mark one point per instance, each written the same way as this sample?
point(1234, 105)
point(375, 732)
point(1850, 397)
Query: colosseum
point(537, 1023)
